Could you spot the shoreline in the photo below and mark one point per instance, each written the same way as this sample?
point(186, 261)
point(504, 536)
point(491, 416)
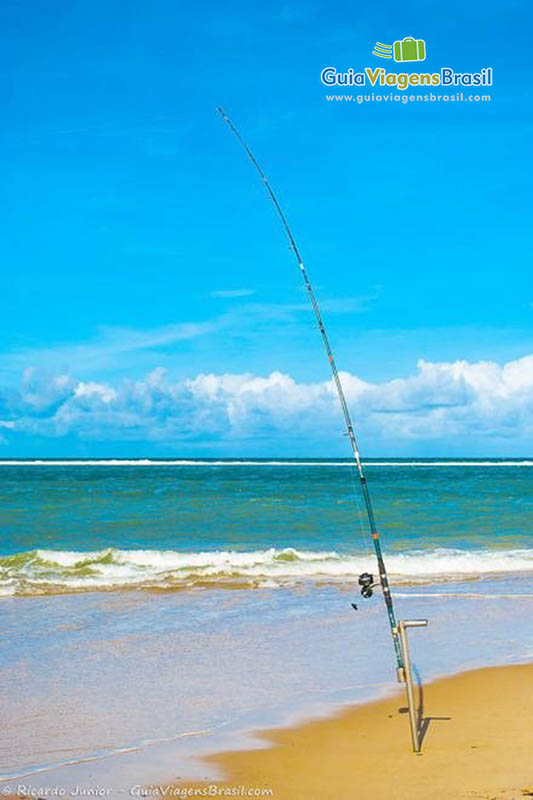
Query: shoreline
point(477, 744)
point(477, 732)
point(288, 669)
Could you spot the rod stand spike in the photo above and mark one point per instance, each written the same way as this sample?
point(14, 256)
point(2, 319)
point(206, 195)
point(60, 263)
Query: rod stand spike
point(405, 675)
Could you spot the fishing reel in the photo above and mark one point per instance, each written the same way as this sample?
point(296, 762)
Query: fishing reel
point(366, 582)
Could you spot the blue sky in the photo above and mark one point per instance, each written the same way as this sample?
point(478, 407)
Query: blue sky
point(138, 239)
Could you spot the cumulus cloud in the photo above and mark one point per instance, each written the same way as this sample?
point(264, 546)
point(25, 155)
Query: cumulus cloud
point(441, 401)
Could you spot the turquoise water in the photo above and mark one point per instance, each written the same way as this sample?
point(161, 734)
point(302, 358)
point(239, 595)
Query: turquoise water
point(78, 527)
point(153, 612)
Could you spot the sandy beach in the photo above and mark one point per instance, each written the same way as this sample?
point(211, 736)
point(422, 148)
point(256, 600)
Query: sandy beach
point(477, 743)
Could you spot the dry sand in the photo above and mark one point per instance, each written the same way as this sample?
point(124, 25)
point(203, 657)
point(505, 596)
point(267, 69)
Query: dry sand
point(478, 743)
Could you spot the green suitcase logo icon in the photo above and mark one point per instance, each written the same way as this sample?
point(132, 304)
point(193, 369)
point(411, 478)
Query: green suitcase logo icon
point(410, 49)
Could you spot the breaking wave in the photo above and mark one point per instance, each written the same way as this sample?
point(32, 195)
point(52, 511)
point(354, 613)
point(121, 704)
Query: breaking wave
point(55, 571)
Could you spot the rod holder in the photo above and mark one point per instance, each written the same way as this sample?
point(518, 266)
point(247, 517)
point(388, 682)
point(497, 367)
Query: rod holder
point(405, 675)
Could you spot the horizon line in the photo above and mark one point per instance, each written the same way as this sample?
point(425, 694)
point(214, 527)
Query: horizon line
point(274, 461)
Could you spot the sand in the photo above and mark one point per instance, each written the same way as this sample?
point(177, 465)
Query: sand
point(477, 743)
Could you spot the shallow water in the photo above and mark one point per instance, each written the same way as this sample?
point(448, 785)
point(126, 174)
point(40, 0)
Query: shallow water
point(91, 675)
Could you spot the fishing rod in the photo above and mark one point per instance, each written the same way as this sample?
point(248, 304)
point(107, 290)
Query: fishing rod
point(366, 580)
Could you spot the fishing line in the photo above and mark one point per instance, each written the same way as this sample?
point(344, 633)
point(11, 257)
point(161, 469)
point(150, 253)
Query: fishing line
point(364, 532)
point(366, 580)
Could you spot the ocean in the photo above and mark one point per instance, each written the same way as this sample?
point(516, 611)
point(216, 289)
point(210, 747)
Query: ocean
point(154, 611)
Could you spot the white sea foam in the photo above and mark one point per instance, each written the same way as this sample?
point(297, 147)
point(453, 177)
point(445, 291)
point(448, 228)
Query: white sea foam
point(49, 571)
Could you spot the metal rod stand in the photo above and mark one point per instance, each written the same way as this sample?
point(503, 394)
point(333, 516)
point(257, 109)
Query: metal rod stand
point(405, 675)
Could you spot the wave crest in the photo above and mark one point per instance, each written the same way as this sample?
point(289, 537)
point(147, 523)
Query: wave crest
point(58, 571)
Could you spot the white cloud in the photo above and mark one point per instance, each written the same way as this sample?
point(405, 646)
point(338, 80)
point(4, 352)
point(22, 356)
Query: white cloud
point(100, 391)
point(123, 349)
point(229, 293)
point(448, 402)
point(110, 348)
